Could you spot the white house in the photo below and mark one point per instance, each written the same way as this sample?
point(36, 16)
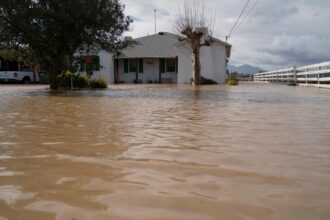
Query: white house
point(162, 58)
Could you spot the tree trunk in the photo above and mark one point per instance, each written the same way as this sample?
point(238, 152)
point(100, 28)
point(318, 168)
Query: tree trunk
point(196, 67)
point(55, 70)
point(53, 80)
point(60, 64)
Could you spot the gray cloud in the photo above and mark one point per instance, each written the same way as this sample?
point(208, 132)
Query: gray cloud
point(298, 50)
point(276, 34)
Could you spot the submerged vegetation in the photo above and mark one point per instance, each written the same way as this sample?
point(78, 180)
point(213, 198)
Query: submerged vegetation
point(70, 80)
point(233, 80)
point(205, 81)
point(98, 84)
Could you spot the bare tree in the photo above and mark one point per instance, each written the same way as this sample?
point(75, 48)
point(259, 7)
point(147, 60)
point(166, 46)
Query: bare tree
point(197, 23)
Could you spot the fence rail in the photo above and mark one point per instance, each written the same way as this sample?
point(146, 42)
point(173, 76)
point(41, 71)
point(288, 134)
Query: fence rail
point(313, 75)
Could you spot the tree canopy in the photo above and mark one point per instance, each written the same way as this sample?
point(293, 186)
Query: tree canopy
point(55, 30)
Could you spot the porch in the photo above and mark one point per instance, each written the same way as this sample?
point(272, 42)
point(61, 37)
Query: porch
point(146, 70)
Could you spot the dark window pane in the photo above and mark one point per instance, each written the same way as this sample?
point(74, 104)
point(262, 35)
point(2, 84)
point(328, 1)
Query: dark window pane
point(132, 66)
point(97, 63)
point(170, 65)
point(125, 66)
point(140, 65)
point(162, 66)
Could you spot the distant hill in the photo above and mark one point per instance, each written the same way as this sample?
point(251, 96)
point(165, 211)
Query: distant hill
point(244, 69)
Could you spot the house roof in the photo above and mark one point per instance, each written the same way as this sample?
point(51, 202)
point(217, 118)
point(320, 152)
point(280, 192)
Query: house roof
point(161, 45)
point(213, 40)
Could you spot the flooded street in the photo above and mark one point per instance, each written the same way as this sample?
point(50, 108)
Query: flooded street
point(165, 152)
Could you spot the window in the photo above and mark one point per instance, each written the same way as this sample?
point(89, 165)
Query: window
point(89, 63)
point(132, 65)
point(9, 66)
point(171, 65)
point(162, 65)
point(140, 65)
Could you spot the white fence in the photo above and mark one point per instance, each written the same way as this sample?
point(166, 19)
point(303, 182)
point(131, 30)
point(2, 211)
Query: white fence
point(312, 75)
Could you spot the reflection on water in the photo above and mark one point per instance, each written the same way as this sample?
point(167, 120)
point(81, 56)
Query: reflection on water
point(165, 152)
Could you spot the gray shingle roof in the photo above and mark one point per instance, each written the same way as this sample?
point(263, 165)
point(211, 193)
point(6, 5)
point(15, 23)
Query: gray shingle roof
point(152, 46)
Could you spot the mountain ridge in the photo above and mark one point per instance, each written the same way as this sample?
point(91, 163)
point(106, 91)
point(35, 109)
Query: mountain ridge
point(244, 69)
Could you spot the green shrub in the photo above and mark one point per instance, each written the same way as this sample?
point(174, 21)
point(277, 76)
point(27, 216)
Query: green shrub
point(205, 81)
point(233, 80)
point(80, 82)
point(98, 84)
point(65, 80)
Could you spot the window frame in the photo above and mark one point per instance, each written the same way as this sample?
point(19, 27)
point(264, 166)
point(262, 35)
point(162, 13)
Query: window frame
point(138, 63)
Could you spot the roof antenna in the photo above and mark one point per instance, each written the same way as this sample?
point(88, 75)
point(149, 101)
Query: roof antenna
point(155, 21)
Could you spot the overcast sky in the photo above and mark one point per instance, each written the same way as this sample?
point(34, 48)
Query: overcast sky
point(272, 33)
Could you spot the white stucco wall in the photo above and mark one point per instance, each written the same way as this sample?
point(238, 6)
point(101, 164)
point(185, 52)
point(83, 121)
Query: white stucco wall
point(184, 64)
point(206, 59)
point(219, 55)
point(151, 70)
point(213, 63)
point(107, 66)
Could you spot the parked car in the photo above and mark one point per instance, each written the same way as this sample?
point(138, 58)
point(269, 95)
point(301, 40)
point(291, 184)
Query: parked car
point(25, 77)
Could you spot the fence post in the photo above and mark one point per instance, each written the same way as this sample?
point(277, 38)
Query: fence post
point(318, 76)
point(295, 75)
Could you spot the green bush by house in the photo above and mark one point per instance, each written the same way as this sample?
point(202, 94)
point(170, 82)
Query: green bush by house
point(70, 80)
point(206, 81)
point(232, 80)
point(98, 84)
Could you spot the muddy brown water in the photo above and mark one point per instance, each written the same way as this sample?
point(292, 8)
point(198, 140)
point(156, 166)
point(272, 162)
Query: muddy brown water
point(165, 152)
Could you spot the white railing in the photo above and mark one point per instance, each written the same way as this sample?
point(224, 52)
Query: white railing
point(317, 75)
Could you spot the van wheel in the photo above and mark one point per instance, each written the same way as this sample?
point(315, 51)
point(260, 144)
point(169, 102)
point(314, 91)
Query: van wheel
point(26, 80)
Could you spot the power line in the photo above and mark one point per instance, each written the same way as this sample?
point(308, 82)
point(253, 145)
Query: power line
point(247, 14)
point(231, 31)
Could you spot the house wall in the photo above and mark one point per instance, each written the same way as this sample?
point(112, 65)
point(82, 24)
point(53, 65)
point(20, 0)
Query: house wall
point(106, 67)
point(219, 55)
point(213, 63)
point(184, 64)
point(207, 63)
point(150, 72)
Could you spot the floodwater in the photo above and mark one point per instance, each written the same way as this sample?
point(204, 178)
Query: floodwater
point(165, 152)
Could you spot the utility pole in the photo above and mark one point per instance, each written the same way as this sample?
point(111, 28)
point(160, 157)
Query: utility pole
point(155, 21)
